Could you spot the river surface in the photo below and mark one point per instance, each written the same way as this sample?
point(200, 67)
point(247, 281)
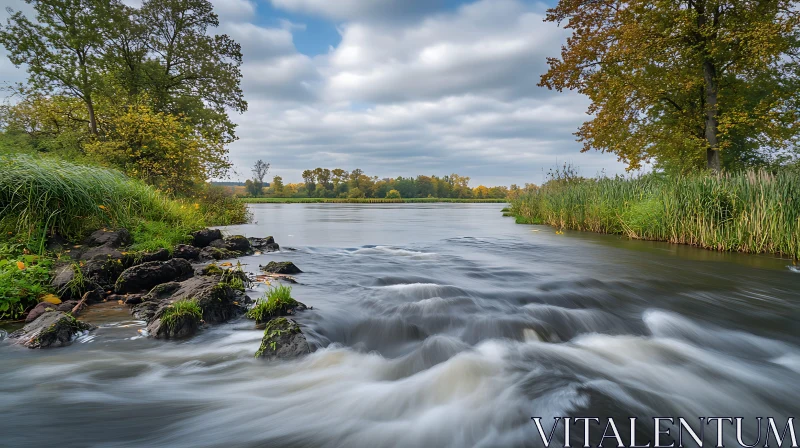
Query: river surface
point(441, 325)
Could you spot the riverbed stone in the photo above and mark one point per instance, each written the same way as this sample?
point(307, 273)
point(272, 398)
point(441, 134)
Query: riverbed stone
point(216, 253)
point(202, 238)
point(110, 238)
point(281, 267)
point(283, 339)
point(186, 252)
point(145, 276)
point(51, 329)
point(38, 310)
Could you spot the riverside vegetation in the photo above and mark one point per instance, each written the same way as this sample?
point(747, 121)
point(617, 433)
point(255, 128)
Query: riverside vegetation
point(755, 211)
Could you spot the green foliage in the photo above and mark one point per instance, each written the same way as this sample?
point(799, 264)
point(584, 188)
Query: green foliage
point(755, 212)
point(275, 301)
point(23, 279)
point(179, 311)
point(682, 81)
point(153, 84)
point(393, 194)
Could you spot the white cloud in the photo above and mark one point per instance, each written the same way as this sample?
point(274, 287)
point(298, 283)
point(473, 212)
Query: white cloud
point(450, 92)
point(361, 9)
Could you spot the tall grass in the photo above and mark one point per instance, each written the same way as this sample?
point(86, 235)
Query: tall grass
point(40, 196)
point(756, 212)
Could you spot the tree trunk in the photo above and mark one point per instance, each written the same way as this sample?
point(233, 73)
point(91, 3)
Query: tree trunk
point(712, 121)
point(92, 118)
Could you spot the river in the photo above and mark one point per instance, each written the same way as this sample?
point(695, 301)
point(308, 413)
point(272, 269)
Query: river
point(433, 325)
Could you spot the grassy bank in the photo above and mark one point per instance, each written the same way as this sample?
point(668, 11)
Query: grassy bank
point(44, 197)
point(363, 200)
point(748, 212)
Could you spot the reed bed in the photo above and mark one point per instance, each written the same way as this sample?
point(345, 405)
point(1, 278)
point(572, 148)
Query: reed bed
point(755, 212)
point(41, 196)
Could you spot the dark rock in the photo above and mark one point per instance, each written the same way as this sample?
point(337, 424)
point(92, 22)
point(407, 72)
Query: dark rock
point(238, 243)
point(219, 243)
point(103, 271)
point(272, 247)
point(161, 292)
point(62, 280)
point(281, 267)
point(146, 257)
point(186, 252)
point(261, 243)
point(147, 275)
point(215, 253)
point(202, 238)
point(93, 296)
point(146, 310)
point(38, 310)
point(100, 252)
point(109, 238)
point(67, 306)
point(51, 329)
point(179, 326)
point(218, 301)
point(283, 339)
point(127, 299)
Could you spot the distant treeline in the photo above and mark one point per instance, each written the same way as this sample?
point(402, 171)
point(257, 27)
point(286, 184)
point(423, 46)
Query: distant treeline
point(338, 183)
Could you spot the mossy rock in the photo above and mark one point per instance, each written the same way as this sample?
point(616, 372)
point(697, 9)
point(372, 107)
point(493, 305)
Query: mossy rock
point(283, 339)
point(281, 267)
point(51, 329)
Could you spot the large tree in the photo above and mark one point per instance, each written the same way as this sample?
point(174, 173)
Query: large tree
point(62, 48)
point(681, 80)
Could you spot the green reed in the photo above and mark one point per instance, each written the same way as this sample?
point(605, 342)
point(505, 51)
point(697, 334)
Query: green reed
point(40, 196)
point(756, 212)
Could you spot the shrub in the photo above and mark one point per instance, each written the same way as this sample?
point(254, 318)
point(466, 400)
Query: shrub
point(393, 194)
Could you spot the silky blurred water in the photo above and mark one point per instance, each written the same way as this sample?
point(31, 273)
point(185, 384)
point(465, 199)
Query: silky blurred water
point(433, 325)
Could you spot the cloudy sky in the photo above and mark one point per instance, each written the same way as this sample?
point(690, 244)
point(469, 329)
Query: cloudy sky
point(400, 87)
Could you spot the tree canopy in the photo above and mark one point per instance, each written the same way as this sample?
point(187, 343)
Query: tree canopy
point(682, 81)
point(154, 84)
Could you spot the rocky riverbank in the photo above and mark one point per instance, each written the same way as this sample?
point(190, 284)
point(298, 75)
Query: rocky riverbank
point(177, 293)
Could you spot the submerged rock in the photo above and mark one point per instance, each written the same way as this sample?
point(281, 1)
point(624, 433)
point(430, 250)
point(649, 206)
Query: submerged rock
point(147, 275)
point(186, 252)
point(51, 329)
point(202, 238)
point(283, 339)
point(281, 267)
point(267, 244)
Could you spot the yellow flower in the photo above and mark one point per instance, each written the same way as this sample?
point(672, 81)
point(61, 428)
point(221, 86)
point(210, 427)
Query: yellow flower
point(102, 207)
point(196, 206)
point(20, 266)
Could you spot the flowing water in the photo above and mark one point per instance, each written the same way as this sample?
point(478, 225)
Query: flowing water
point(433, 325)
